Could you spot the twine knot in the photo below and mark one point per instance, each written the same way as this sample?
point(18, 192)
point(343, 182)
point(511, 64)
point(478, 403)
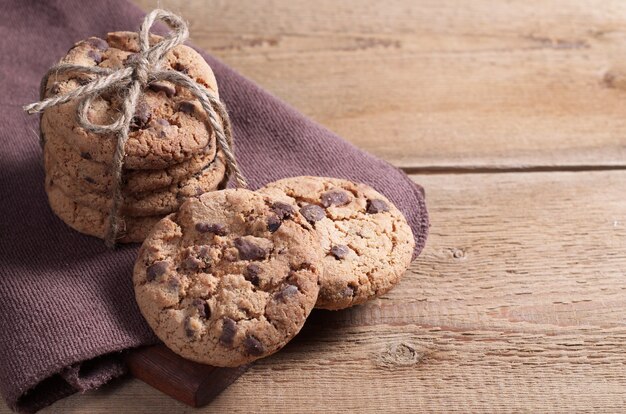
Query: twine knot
point(140, 69)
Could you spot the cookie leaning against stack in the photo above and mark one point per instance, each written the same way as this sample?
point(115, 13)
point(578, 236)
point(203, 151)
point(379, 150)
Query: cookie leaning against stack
point(170, 154)
point(366, 242)
point(232, 276)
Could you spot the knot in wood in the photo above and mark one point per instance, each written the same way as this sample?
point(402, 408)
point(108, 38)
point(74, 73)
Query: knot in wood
point(401, 354)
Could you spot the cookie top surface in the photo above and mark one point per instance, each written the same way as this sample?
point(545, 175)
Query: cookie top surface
point(169, 124)
point(229, 278)
point(366, 241)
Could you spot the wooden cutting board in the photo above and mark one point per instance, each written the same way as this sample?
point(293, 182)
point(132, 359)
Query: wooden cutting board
point(189, 382)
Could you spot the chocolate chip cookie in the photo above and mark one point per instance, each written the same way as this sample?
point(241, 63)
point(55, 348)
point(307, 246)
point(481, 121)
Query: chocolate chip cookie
point(229, 278)
point(366, 241)
point(169, 126)
point(96, 176)
point(163, 201)
point(95, 223)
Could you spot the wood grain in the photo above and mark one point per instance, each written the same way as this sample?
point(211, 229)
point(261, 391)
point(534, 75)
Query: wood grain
point(438, 83)
point(516, 305)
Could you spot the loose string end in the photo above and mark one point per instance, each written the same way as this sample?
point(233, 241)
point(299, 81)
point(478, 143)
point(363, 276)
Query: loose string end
point(30, 109)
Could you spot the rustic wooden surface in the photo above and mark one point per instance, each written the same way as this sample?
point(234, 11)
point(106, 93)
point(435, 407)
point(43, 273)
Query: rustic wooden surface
point(512, 115)
point(438, 83)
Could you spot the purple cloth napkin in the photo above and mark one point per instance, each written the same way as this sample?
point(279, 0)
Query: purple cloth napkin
point(67, 307)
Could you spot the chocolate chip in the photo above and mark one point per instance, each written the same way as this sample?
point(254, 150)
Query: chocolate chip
point(173, 283)
point(163, 87)
point(142, 116)
point(95, 55)
point(249, 250)
point(340, 251)
point(177, 66)
point(98, 43)
point(376, 206)
point(217, 229)
point(192, 264)
point(286, 292)
point(273, 223)
point(90, 180)
point(335, 198)
point(85, 155)
point(252, 274)
point(187, 107)
point(253, 346)
point(156, 269)
point(207, 310)
point(282, 210)
point(202, 307)
point(189, 330)
point(229, 329)
point(312, 213)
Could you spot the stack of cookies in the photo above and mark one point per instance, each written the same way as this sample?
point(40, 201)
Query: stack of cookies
point(233, 275)
point(170, 155)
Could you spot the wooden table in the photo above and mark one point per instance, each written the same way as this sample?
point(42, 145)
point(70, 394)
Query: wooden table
point(512, 115)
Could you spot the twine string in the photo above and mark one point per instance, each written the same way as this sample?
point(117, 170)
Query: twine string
point(131, 81)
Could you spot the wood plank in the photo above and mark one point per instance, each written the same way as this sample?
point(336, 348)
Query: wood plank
point(438, 83)
point(516, 304)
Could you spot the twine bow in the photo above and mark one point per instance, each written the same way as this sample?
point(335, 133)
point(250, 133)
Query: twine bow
point(131, 81)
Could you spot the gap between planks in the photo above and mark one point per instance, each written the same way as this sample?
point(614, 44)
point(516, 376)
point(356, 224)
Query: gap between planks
point(497, 169)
